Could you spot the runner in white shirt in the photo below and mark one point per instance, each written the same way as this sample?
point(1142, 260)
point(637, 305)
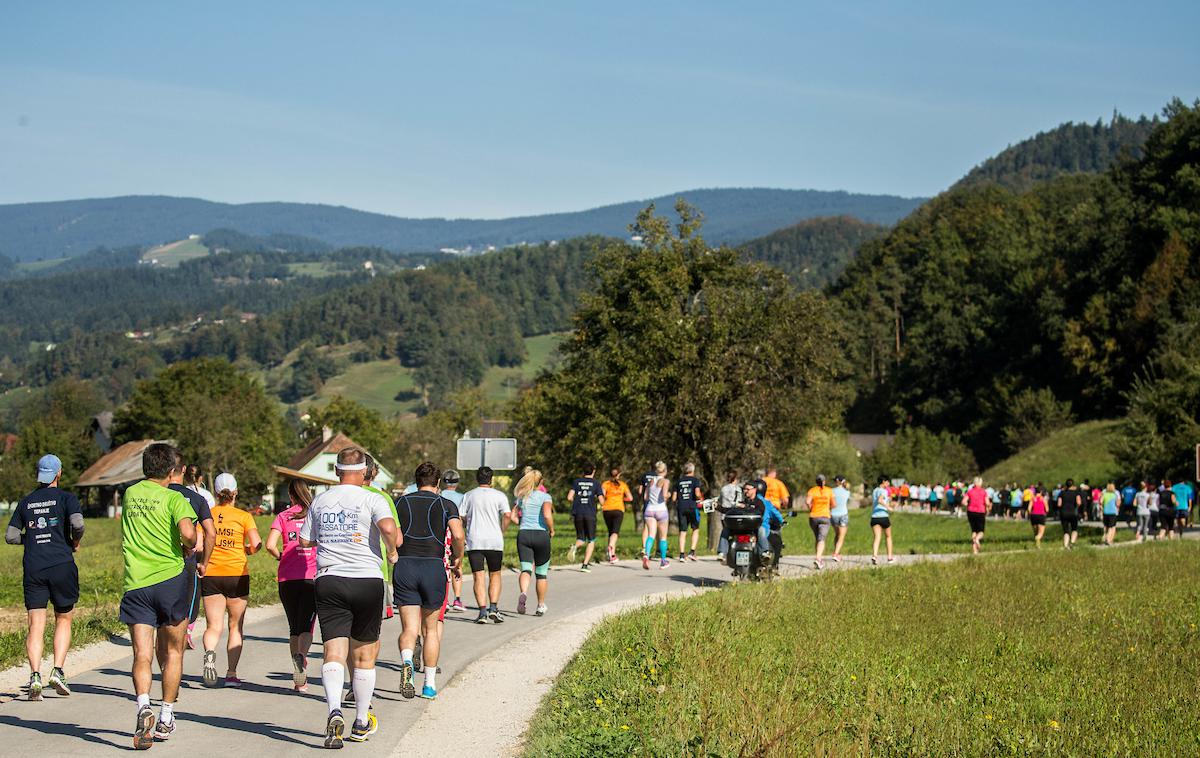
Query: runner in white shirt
point(345, 524)
point(486, 514)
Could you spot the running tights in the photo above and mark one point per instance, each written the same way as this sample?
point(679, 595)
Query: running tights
point(662, 547)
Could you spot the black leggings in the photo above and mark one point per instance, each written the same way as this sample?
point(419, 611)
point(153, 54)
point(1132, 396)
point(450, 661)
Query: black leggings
point(613, 519)
point(299, 598)
point(585, 528)
point(533, 550)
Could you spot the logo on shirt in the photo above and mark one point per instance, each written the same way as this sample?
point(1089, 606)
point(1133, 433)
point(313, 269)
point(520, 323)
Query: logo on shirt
point(41, 523)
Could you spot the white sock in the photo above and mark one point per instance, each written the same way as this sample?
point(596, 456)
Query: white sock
point(143, 701)
point(166, 715)
point(406, 655)
point(431, 677)
point(364, 688)
point(333, 676)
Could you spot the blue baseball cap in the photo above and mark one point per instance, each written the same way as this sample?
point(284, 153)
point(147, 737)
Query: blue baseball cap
point(49, 466)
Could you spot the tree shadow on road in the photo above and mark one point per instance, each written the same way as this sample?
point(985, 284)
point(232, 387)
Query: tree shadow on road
point(83, 733)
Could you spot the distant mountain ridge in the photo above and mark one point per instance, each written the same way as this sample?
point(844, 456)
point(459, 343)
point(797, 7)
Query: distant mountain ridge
point(34, 231)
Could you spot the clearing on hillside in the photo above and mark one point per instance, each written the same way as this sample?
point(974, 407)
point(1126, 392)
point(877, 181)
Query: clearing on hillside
point(174, 253)
point(1081, 452)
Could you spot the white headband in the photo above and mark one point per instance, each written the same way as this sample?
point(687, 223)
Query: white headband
point(351, 467)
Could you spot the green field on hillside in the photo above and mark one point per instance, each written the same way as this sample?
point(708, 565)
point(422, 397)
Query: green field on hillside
point(1081, 452)
point(176, 252)
point(1034, 654)
point(375, 384)
point(30, 267)
point(503, 384)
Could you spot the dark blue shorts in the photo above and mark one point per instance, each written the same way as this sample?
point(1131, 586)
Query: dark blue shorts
point(58, 585)
point(163, 604)
point(419, 581)
point(689, 517)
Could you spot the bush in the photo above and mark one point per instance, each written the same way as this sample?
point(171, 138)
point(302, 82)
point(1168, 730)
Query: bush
point(821, 452)
point(919, 455)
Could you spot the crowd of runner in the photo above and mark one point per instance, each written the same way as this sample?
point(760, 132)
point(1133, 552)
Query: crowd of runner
point(350, 555)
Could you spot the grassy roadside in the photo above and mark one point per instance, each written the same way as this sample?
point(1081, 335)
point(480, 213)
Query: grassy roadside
point(1033, 654)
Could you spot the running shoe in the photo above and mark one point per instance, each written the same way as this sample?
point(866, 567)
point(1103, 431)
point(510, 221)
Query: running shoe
point(874, 561)
point(418, 657)
point(456, 606)
point(143, 734)
point(612, 556)
point(664, 563)
point(891, 560)
point(407, 688)
point(299, 670)
point(541, 610)
point(334, 728)
point(233, 681)
point(35, 686)
point(388, 613)
point(360, 731)
point(645, 561)
point(692, 556)
point(521, 603)
point(585, 568)
point(210, 668)
point(818, 565)
point(483, 617)
point(571, 553)
point(349, 698)
point(163, 731)
point(682, 557)
point(836, 558)
point(58, 680)
point(428, 692)
point(494, 615)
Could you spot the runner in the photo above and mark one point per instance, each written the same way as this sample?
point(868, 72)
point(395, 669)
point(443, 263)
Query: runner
point(296, 575)
point(1037, 516)
point(686, 497)
point(535, 513)
point(643, 493)
point(193, 479)
point(881, 520)
point(1166, 511)
point(1128, 498)
point(1141, 505)
point(485, 515)
point(583, 496)
point(656, 517)
point(226, 582)
point(839, 515)
point(195, 561)
point(776, 491)
point(977, 512)
point(1183, 503)
point(1070, 504)
point(1109, 505)
point(731, 495)
point(616, 495)
point(372, 473)
point(349, 588)
point(820, 504)
point(1016, 498)
point(1152, 489)
point(450, 480)
point(49, 523)
point(420, 575)
point(156, 527)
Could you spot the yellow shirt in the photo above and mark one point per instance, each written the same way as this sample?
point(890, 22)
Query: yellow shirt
point(615, 494)
point(777, 492)
point(822, 500)
point(229, 550)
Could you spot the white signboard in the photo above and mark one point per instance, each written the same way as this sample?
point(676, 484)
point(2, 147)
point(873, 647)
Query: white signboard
point(499, 454)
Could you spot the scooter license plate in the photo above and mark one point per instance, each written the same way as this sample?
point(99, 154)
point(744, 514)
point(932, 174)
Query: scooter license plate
point(742, 558)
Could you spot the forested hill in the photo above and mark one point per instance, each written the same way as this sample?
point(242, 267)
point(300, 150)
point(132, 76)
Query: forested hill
point(1068, 149)
point(33, 231)
point(814, 252)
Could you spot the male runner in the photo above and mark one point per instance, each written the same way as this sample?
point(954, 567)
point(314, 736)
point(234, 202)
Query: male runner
point(345, 524)
point(583, 496)
point(1071, 502)
point(420, 573)
point(49, 523)
point(777, 492)
point(687, 496)
point(372, 472)
point(450, 491)
point(195, 561)
point(486, 514)
point(156, 529)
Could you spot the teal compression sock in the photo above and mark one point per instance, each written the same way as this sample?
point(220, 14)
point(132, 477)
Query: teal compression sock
point(662, 548)
point(649, 546)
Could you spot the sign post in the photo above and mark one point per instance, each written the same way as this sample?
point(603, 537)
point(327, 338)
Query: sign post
point(497, 453)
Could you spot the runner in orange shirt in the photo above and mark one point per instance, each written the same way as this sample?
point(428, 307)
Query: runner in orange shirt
point(777, 492)
point(820, 502)
point(616, 495)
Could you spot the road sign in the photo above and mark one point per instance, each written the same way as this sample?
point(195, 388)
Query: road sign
point(498, 453)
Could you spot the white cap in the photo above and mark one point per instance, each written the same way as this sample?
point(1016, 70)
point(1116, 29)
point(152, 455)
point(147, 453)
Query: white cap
point(225, 482)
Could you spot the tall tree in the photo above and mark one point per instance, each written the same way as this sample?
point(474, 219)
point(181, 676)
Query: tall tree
point(56, 420)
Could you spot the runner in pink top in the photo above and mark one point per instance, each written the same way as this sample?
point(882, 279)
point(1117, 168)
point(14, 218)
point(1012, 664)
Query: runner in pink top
point(977, 505)
point(1037, 515)
point(297, 570)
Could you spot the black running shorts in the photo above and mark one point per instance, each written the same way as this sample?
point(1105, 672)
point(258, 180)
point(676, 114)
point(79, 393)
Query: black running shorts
point(1070, 524)
point(612, 520)
point(299, 599)
point(350, 607)
point(229, 586)
point(419, 581)
point(159, 605)
point(585, 528)
point(1110, 520)
point(978, 521)
point(689, 517)
point(492, 559)
point(882, 521)
point(57, 585)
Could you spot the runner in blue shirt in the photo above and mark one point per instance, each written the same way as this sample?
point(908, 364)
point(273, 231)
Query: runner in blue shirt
point(1184, 495)
point(881, 519)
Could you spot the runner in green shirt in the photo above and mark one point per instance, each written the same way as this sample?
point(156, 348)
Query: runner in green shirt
point(156, 525)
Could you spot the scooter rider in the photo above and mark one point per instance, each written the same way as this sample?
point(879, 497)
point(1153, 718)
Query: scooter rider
point(756, 504)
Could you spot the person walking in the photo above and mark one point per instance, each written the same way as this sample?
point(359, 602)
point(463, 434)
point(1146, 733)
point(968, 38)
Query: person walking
point(450, 491)
point(881, 520)
point(731, 496)
point(420, 573)
point(616, 496)
point(156, 528)
point(485, 515)
point(1110, 504)
point(296, 576)
point(583, 496)
point(1071, 502)
point(839, 516)
point(977, 505)
point(1141, 507)
point(346, 525)
point(195, 561)
point(1166, 511)
point(656, 517)
point(226, 582)
point(820, 505)
point(686, 497)
point(1037, 516)
point(535, 530)
point(48, 523)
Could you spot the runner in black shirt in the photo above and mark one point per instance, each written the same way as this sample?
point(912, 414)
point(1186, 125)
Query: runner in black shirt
point(201, 553)
point(687, 496)
point(1070, 502)
point(49, 523)
point(584, 495)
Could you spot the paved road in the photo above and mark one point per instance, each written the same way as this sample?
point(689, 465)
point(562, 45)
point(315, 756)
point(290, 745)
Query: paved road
point(266, 718)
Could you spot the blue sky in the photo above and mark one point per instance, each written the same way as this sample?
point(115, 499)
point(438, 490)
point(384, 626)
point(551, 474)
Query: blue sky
point(494, 109)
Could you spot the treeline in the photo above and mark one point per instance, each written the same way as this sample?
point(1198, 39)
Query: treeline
point(989, 310)
point(813, 253)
